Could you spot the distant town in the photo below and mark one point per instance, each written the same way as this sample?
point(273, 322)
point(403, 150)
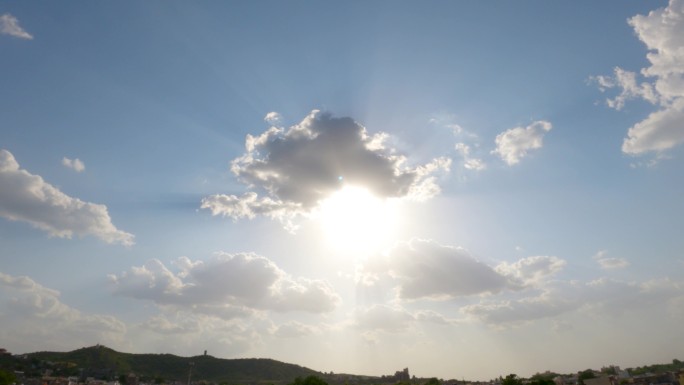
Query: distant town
point(99, 365)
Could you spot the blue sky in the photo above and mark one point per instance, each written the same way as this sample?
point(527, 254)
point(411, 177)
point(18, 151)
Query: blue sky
point(355, 186)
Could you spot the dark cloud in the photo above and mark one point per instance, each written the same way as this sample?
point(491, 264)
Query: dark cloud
point(301, 166)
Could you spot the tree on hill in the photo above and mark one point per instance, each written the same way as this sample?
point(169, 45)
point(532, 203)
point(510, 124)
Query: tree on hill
point(511, 379)
point(310, 380)
point(585, 375)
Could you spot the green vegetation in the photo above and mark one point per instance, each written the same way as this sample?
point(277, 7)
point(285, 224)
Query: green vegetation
point(657, 368)
point(511, 379)
point(7, 377)
point(310, 380)
point(585, 375)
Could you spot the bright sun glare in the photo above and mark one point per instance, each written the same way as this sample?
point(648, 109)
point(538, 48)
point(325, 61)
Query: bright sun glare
point(354, 220)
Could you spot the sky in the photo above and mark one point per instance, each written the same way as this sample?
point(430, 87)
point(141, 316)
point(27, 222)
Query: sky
point(467, 189)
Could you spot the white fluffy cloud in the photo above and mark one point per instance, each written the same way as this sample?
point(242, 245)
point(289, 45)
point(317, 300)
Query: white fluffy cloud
point(227, 285)
point(512, 145)
point(301, 166)
point(28, 198)
point(33, 316)
point(662, 31)
point(273, 118)
point(426, 269)
point(74, 164)
point(9, 25)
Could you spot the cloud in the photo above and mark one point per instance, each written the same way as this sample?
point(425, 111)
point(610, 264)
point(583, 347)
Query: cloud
point(660, 131)
point(294, 329)
point(531, 271)
point(519, 311)
point(610, 263)
point(631, 89)
point(426, 269)
point(662, 31)
point(596, 298)
point(28, 198)
point(300, 167)
point(469, 163)
point(32, 316)
point(9, 25)
point(227, 285)
point(178, 332)
point(273, 118)
point(512, 145)
point(74, 164)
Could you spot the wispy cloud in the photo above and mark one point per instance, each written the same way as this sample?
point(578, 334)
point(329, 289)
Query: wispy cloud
point(9, 25)
point(74, 164)
point(610, 263)
point(28, 198)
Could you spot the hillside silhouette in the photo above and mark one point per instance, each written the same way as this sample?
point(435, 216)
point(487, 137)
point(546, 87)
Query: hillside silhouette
point(103, 362)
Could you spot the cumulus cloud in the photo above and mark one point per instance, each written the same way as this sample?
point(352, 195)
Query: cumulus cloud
point(74, 164)
point(228, 285)
point(301, 166)
point(9, 25)
point(662, 31)
point(28, 198)
point(512, 145)
point(33, 316)
point(425, 269)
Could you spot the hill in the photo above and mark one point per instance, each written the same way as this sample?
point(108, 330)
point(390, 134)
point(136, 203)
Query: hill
point(102, 362)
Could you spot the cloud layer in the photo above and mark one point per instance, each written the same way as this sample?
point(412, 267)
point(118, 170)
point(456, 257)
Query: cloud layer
point(28, 198)
point(423, 269)
point(33, 316)
point(301, 166)
point(228, 285)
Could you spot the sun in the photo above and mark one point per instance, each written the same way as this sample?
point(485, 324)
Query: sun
point(354, 220)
